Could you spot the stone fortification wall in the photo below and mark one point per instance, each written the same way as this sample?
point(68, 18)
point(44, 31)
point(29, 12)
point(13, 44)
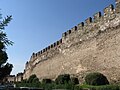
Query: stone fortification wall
point(93, 45)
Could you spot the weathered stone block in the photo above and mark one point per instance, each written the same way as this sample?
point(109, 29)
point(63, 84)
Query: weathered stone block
point(108, 12)
point(68, 32)
point(88, 21)
point(97, 17)
point(51, 46)
point(117, 1)
point(80, 26)
point(117, 6)
point(48, 47)
point(41, 52)
point(74, 29)
point(60, 41)
point(55, 44)
point(64, 34)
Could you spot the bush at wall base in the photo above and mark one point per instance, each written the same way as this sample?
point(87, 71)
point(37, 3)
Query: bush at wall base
point(96, 79)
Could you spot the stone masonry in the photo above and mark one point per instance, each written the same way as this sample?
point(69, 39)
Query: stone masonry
point(91, 46)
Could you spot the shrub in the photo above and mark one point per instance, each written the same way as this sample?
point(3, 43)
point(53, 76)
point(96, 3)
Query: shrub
point(31, 78)
point(46, 81)
point(77, 88)
point(63, 79)
point(33, 81)
point(96, 79)
point(74, 80)
point(24, 81)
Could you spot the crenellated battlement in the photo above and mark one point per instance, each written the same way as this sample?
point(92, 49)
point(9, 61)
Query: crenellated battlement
point(109, 12)
point(97, 17)
point(43, 54)
point(91, 26)
point(83, 31)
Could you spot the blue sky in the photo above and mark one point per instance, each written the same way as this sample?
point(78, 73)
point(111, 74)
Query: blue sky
point(39, 23)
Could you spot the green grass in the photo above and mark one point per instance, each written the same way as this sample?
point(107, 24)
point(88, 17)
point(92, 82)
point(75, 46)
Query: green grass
point(102, 87)
point(71, 87)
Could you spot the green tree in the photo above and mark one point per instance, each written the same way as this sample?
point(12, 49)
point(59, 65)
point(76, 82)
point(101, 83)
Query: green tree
point(32, 78)
point(46, 81)
point(96, 78)
point(63, 79)
point(33, 81)
point(74, 80)
point(5, 68)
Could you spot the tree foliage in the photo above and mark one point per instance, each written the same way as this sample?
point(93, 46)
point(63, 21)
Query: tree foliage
point(3, 35)
point(74, 80)
point(5, 68)
point(63, 79)
point(96, 79)
point(46, 81)
point(33, 79)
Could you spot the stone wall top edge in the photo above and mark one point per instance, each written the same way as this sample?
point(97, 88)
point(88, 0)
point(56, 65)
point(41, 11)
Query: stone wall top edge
point(107, 11)
point(49, 48)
